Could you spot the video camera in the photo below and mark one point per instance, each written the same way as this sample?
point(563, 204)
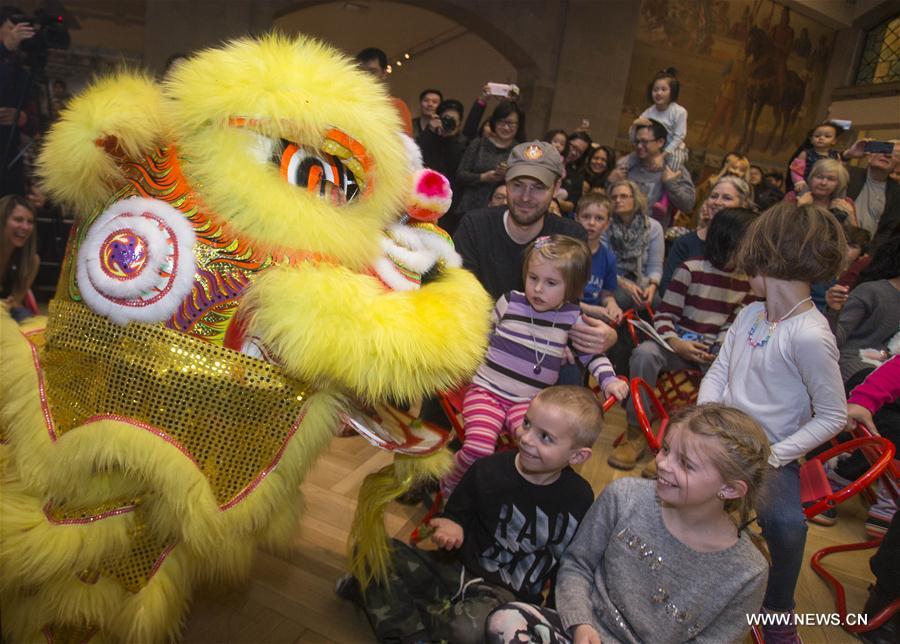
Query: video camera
point(50, 33)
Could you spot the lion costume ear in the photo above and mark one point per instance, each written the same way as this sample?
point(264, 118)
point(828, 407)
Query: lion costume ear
point(116, 118)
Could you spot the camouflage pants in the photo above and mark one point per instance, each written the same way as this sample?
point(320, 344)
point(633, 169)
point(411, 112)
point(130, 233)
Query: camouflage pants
point(431, 598)
point(519, 623)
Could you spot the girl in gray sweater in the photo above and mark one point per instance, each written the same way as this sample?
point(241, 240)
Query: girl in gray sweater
point(665, 560)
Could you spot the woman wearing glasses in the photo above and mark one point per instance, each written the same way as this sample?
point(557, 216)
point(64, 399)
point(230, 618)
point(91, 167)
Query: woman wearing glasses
point(637, 242)
point(483, 165)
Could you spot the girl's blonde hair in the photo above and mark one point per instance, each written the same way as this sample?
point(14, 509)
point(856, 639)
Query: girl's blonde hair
point(737, 447)
point(572, 257)
point(724, 170)
point(640, 201)
point(791, 242)
point(832, 165)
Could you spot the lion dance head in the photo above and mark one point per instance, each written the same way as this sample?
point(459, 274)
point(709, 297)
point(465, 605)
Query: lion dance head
point(237, 274)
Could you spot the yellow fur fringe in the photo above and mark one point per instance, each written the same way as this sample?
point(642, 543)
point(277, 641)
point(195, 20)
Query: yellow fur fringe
point(73, 169)
point(377, 344)
point(177, 501)
point(369, 552)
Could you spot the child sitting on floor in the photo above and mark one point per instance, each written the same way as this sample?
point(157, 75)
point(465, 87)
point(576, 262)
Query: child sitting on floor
point(527, 348)
point(507, 524)
point(675, 570)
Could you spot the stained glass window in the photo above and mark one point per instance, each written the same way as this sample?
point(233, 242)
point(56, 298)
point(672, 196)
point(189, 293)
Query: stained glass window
point(880, 61)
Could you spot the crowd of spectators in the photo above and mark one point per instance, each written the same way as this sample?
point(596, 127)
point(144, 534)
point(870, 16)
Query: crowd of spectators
point(667, 245)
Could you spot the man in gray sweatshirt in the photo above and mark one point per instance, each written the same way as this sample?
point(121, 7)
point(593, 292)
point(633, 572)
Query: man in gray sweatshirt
point(666, 190)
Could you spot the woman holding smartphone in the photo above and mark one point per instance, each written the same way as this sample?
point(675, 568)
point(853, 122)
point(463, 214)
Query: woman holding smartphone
point(483, 165)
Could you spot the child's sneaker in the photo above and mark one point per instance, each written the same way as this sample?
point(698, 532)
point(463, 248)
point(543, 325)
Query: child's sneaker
point(826, 518)
point(347, 588)
point(781, 633)
point(834, 477)
point(876, 527)
point(882, 511)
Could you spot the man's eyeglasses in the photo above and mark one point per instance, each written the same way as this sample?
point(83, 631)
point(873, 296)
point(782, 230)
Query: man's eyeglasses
point(508, 123)
point(644, 142)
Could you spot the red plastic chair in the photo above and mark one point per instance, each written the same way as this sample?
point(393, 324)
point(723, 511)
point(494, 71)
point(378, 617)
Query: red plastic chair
point(452, 403)
point(631, 314)
point(654, 439)
point(679, 388)
point(815, 489)
point(880, 453)
point(676, 389)
point(30, 303)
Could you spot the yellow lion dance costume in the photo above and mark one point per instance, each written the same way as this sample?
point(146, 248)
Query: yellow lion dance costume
point(216, 310)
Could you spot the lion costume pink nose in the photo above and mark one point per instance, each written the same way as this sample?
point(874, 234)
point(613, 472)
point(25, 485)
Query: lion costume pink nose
point(431, 196)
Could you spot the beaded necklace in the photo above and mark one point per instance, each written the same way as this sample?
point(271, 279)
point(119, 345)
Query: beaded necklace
point(770, 326)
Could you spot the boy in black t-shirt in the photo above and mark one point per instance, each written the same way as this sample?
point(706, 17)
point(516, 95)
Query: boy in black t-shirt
point(502, 531)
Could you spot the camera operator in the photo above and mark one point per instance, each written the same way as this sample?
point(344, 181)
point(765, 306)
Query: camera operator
point(13, 83)
point(443, 145)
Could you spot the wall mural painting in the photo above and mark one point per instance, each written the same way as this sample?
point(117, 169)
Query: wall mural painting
point(751, 74)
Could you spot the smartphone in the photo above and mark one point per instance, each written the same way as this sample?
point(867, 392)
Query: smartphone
point(879, 147)
point(842, 123)
point(499, 89)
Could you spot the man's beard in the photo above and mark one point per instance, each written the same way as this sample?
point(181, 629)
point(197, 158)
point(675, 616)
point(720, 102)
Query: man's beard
point(528, 218)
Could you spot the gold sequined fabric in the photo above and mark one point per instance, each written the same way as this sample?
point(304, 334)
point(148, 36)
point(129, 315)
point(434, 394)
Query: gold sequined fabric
point(231, 414)
point(134, 569)
point(66, 513)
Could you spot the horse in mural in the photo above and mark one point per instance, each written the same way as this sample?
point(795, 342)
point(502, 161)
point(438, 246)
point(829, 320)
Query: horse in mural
point(769, 82)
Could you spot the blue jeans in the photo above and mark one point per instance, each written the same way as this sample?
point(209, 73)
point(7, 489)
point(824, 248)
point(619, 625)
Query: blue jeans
point(784, 528)
point(570, 374)
point(20, 313)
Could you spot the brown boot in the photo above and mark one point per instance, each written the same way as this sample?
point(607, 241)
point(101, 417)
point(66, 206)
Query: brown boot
point(649, 471)
point(626, 455)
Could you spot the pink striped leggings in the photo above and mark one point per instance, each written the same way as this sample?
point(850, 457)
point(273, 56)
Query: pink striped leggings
point(485, 414)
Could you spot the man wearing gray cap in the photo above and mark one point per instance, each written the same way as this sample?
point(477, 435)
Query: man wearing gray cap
point(491, 241)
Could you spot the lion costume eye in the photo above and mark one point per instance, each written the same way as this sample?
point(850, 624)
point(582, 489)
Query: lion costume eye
point(338, 170)
point(320, 173)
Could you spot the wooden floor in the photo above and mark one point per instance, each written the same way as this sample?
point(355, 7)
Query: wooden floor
point(289, 599)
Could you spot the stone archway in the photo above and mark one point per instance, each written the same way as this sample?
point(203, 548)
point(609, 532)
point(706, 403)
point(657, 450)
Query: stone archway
point(515, 34)
point(571, 56)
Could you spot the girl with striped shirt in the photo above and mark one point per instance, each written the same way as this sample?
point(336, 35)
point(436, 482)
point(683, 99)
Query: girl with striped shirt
point(527, 348)
point(702, 300)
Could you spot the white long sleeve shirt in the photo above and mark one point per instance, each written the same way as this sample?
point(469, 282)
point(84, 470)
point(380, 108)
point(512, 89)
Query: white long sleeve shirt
point(792, 385)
